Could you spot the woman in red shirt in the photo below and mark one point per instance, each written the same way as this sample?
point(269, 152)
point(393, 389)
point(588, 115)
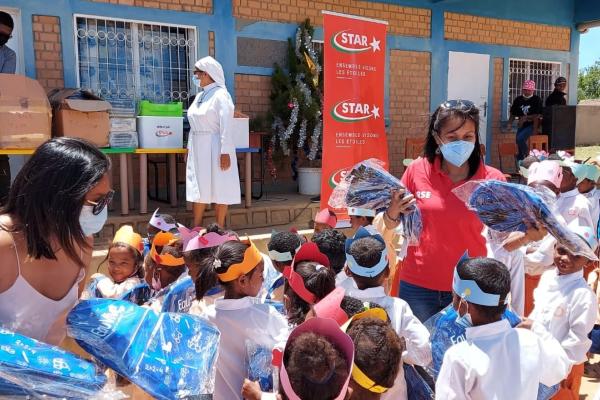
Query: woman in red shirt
point(452, 156)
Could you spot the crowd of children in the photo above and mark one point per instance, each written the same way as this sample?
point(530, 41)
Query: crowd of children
point(326, 312)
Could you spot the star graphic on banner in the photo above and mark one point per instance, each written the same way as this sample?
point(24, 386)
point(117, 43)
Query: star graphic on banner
point(376, 112)
point(375, 44)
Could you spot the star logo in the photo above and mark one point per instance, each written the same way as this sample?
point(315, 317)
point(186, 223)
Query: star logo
point(376, 112)
point(375, 44)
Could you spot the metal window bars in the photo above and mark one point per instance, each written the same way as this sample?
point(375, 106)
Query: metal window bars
point(543, 73)
point(127, 61)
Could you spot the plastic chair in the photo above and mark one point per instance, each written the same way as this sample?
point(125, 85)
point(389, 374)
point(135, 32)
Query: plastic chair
point(539, 142)
point(506, 150)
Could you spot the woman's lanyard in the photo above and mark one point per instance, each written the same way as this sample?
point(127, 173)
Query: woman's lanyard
point(204, 94)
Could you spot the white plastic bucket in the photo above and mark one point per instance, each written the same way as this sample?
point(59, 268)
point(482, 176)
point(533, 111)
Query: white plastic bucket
point(309, 181)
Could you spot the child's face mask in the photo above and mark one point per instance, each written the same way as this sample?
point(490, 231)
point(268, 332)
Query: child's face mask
point(464, 320)
point(156, 282)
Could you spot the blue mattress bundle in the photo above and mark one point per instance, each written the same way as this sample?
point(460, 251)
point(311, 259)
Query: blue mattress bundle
point(510, 207)
point(32, 368)
point(369, 185)
point(168, 355)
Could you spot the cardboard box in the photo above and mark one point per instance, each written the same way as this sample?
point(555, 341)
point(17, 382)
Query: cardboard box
point(122, 124)
point(25, 113)
point(160, 132)
point(80, 114)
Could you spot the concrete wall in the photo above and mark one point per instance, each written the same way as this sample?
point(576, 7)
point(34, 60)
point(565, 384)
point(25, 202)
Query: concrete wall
point(588, 125)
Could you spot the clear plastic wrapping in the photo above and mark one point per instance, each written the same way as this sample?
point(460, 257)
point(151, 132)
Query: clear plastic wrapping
point(369, 185)
point(32, 368)
point(510, 207)
point(418, 387)
point(259, 365)
point(170, 356)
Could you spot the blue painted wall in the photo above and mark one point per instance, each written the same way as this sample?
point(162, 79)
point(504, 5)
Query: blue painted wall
point(222, 22)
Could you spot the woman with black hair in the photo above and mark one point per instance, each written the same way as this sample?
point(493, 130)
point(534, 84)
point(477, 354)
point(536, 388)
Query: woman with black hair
point(57, 202)
point(452, 156)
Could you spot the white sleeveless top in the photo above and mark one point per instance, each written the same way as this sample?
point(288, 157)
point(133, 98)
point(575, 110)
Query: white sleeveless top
point(26, 311)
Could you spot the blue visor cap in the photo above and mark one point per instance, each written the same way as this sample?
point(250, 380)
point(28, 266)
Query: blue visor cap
point(367, 272)
point(469, 291)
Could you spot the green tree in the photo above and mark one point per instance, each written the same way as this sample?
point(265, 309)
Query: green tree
point(589, 83)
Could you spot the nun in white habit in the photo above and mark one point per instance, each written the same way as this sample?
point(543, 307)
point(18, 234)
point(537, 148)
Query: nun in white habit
point(211, 171)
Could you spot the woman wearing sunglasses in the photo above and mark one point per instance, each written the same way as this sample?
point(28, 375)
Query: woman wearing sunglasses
point(211, 170)
point(57, 202)
point(452, 156)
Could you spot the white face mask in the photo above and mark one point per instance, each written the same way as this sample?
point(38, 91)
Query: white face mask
point(90, 223)
point(528, 97)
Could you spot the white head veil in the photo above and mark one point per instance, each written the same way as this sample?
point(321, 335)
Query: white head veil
point(212, 68)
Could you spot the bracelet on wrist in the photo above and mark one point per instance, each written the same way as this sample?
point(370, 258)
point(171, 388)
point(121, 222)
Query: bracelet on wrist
point(387, 214)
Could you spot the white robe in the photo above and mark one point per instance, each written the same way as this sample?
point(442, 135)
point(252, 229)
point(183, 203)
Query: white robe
point(567, 308)
point(497, 362)
point(418, 347)
point(240, 320)
point(210, 116)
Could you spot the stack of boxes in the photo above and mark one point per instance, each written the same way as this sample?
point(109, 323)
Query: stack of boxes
point(123, 132)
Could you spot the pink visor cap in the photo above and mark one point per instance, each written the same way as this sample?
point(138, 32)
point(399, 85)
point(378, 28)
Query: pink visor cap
point(329, 329)
point(529, 85)
point(546, 170)
point(207, 241)
point(324, 217)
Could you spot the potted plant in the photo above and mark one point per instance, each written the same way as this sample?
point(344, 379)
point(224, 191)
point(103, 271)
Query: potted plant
point(296, 109)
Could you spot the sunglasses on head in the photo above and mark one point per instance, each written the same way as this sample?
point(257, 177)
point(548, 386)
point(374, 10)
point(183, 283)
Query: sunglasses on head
point(99, 205)
point(461, 105)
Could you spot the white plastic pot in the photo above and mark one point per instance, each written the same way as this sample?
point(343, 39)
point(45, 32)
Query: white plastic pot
point(309, 181)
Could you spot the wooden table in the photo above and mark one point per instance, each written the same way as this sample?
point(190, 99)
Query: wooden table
point(122, 152)
point(172, 155)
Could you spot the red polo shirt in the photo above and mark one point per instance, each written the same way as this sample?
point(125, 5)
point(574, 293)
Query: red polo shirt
point(449, 228)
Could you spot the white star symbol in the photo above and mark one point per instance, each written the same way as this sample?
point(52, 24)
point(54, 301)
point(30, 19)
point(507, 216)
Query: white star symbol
point(375, 44)
point(376, 112)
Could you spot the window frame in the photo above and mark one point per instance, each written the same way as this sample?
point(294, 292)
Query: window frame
point(529, 61)
point(135, 55)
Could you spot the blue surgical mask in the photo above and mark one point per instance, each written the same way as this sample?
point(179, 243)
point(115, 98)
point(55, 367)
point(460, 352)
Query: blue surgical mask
point(457, 152)
point(90, 223)
point(196, 81)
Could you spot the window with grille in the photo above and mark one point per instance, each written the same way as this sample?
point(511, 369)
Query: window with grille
point(541, 72)
point(127, 61)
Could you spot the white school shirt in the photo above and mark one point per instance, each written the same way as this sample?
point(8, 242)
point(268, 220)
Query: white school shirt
point(497, 362)
point(418, 347)
point(239, 320)
point(515, 262)
point(572, 205)
point(593, 197)
point(567, 308)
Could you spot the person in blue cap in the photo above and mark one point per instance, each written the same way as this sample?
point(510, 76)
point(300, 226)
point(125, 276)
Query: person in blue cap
point(367, 264)
point(495, 361)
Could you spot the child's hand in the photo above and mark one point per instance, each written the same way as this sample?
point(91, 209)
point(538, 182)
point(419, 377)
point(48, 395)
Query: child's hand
point(251, 390)
point(526, 323)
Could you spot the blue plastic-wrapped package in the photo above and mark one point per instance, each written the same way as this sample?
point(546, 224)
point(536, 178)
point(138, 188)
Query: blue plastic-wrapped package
point(510, 207)
point(169, 355)
point(177, 297)
point(30, 367)
point(259, 365)
point(138, 294)
point(369, 185)
point(446, 331)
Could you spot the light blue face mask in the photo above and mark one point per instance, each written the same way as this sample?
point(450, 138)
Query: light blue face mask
point(465, 320)
point(457, 152)
point(195, 80)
